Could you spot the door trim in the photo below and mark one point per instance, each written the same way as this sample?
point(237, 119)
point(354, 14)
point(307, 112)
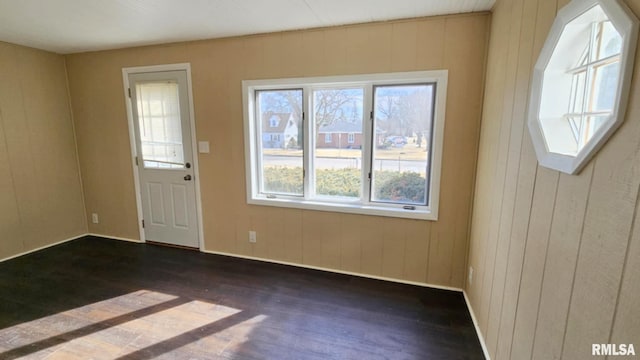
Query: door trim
point(132, 140)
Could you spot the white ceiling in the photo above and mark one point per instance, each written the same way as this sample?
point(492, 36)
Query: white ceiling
point(68, 26)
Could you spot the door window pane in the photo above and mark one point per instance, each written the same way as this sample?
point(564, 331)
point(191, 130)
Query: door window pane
point(279, 115)
point(160, 125)
point(337, 160)
point(403, 118)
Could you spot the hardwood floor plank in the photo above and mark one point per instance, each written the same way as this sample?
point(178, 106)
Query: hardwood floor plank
point(107, 299)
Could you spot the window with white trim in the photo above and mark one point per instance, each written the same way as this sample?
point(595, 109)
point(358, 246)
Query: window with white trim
point(580, 84)
point(393, 170)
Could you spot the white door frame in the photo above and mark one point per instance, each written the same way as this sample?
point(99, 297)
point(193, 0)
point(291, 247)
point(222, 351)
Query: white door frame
point(132, 140)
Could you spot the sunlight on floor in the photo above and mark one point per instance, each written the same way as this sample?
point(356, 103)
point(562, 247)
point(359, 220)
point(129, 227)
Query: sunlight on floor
point(70, 320)
point(143, 323)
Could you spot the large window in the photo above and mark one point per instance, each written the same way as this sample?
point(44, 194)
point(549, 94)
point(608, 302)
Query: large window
point(367, 144)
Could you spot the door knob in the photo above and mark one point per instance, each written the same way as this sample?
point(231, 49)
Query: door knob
point(187, 177)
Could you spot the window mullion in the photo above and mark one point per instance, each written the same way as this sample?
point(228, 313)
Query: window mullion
point(258, 144)
point(309, 143)
point(367, 151)
point(589, 84)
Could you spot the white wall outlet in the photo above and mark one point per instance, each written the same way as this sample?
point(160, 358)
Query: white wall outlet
point(252, 237)
point(203, 147)
point(94, 218)
point(470, 275)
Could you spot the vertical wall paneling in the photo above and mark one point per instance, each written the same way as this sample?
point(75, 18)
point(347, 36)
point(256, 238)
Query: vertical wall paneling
point(499, 177)
point(350, 243)
point(538, 226)
point(474, 76)
point(518, 126)
point(449, 243)
point(527, 174)
point(393, 248)
point(562, 253)
point(626, 322)
point(554, 255)
point(372, 246)
point(417, 251)
point(40, 193)
point(9, 214)
point(542, 211)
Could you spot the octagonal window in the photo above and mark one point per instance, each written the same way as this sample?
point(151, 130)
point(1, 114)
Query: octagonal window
point(581, 81)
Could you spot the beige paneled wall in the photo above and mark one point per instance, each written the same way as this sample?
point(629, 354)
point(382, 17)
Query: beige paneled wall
point(421, 251)
point(40, 192)
point(556, 257)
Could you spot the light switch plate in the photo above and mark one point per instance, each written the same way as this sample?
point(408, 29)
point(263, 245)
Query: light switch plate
point(203, 147)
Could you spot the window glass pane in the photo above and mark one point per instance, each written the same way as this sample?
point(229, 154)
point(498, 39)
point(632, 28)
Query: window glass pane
point(337, 115)
point(591, 126)
point(159, 124)
point(403, 118)
point(605, 86)
point(610, 41)
point(280, 141)
point(584, 58)
point(576, 101)
point(575, 122)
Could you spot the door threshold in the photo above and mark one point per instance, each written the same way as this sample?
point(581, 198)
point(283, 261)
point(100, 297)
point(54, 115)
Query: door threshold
point(156, 243)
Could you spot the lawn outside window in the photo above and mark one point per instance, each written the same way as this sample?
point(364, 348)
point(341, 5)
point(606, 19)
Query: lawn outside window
point(365, 144)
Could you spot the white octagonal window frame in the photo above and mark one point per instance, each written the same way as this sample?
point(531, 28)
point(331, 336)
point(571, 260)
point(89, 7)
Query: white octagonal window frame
point(554, 130)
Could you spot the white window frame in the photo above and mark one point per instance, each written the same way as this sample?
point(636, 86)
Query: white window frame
point(555, 128)
point(363, 205)
point(328, 138)
point(351, 138)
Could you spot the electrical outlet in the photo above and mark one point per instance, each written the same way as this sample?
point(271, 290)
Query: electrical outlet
point(94, 218)
point(470, 275)
point(252, 237)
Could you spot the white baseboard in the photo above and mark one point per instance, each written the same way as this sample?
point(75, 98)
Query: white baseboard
point(475, 324)
point(441, 287)
point(116, 238)
point(43, 247)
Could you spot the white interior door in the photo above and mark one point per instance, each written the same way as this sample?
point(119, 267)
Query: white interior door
point(160, 107)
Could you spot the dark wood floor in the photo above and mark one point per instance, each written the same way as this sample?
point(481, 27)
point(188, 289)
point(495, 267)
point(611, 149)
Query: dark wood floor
point(106, 299)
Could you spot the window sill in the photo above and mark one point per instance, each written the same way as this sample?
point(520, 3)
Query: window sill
point(420, 213)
